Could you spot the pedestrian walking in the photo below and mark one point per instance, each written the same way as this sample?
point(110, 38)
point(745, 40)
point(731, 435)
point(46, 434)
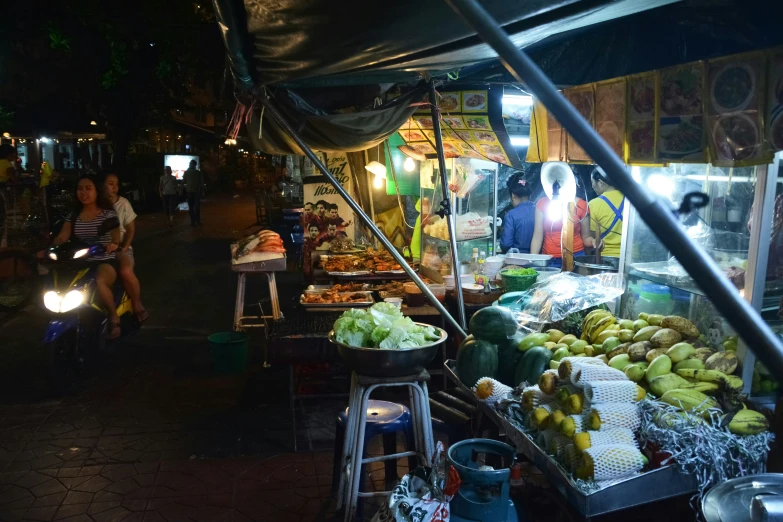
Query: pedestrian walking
point(167, 188)
point(194, 184)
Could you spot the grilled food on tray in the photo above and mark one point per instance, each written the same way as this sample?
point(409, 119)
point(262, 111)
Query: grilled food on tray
point(370, 261)
point(332, 296)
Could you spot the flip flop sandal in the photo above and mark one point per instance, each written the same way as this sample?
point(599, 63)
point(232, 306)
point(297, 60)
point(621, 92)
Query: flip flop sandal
point(142, 316)
point(112, 328)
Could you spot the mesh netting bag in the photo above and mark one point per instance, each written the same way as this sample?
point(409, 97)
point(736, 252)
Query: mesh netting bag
point(532, 397)
point(557, 447)
point(568, 365)
point(587, 373)
point(612, 436)
point(615, 415)
point(571, 458)
point(544, 436)
point(490, 390)
point(578, 424)
point(611, 391)
point(613, 461)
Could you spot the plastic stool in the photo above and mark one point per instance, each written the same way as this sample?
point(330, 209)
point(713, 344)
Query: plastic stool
point(349, 490)
point(383, 418)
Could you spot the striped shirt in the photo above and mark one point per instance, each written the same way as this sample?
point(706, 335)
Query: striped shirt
point(88, 231)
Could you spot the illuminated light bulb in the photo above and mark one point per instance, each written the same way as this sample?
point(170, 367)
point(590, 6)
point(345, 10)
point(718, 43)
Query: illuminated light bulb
point(378, 183)
point(409, 165)
point(554, 212)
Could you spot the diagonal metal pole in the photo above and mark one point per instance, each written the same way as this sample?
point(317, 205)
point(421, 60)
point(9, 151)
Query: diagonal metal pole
point(724, 296)
point(446, 204)
point(271, 109)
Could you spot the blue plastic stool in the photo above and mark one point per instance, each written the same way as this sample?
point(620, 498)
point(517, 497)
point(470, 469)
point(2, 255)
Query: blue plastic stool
point(383, 418)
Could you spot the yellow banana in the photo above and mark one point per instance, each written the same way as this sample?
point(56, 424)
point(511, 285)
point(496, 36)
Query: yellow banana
point(731, 382)
point(690, 400)
point(708, 388)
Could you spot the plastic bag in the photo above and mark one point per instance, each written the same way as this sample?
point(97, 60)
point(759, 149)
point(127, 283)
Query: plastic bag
point(472, 226)
point(561, 295)
point(421, 496)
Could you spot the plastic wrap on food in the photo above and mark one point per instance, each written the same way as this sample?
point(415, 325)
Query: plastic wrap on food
point(261, 246)
point(563, 294)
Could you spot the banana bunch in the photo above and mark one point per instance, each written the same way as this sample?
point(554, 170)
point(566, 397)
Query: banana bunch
point(596, 322)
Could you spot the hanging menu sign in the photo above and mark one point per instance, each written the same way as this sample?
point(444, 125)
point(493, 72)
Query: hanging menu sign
point(610, 114)
point(681, 116)
point(583, 100)
point(641, 118)
point(734, 110)
point(471, 126)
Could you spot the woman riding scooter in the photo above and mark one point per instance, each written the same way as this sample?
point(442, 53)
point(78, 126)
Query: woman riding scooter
point(87, 224)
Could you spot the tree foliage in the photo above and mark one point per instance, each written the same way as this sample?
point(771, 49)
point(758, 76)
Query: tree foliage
point(126, 62)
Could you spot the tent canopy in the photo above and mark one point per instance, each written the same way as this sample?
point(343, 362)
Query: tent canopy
point(376, 42)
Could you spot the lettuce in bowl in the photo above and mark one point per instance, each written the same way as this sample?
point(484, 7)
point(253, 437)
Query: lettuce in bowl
point(382, 326)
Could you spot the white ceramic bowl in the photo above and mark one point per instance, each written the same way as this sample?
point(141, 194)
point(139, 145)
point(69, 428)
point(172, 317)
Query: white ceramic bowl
point(473, 288)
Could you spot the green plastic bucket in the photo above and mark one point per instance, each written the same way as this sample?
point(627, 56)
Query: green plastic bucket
point(229, 351)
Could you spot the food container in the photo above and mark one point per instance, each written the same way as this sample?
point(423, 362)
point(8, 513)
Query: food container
point(396, 301)
point(528, 259)
point(492, 266)
point(375, 362)
point(588, 265)
point(413, 295)
point(439, 290)
point(545, 273)
point(449, 280)
point(517, 282)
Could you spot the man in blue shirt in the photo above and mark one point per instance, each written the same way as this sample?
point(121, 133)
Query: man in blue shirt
point(519, 223)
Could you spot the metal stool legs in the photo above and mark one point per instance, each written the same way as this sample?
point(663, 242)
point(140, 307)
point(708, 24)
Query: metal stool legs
point(353, 446)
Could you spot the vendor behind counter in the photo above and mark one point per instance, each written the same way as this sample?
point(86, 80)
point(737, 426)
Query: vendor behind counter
point(606, 213)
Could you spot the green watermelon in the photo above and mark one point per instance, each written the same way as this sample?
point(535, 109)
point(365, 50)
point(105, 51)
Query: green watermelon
point(494, 324)
point(476, 359)
point(508, 357)
point(532, 364)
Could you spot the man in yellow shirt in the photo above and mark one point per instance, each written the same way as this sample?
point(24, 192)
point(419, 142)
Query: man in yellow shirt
point(606, 214)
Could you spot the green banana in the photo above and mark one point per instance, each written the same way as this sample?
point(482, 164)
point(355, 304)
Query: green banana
point(731, 382)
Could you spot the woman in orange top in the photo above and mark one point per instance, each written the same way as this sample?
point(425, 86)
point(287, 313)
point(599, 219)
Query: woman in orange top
point(548, 228)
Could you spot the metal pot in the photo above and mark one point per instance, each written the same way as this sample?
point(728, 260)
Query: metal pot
point(588, 265)
point(376, 362)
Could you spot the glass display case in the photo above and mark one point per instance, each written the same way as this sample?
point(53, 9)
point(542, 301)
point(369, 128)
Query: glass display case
point(656, 283)
point(472, 192)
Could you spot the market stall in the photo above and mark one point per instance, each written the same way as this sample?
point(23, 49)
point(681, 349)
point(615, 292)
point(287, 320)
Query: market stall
point(606, 403)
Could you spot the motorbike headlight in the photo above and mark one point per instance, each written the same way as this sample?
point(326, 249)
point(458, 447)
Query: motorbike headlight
point(81, 253)
point(52, 256)
point(52, 301)
point(56, 304)
point(71, 300)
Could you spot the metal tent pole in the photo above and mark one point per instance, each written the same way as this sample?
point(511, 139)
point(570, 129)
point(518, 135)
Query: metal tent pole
point(658, 217)
point(270, 107)
point(446, 205)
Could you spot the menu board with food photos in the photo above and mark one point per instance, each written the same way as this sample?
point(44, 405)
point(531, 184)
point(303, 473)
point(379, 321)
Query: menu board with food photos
point(774, 119)
point(583, 100)
point(471, 126)
point(735, 109)
point(555, 139)
point(728, 111)
point(681, 114)
point(610, 114)
point(641, 118)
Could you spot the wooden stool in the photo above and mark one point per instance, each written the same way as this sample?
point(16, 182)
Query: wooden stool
point(362, 387)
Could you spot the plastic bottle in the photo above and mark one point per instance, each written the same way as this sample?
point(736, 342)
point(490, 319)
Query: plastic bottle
point(480, 274)
point(474, 262)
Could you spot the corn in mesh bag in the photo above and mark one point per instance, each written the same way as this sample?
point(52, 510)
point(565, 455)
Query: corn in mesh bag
point(573, 362)
point(544, 436)
point(571, 458)
point(610, 391)
point(612, 436)
point(588, 373)
point(613, 461)
point(615, 415)
point(532, 397)
point(557, 447)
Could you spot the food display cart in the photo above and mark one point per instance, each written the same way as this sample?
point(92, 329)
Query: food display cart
point(556, 404)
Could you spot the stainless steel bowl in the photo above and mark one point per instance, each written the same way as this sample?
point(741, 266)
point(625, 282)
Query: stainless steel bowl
point(376, 362)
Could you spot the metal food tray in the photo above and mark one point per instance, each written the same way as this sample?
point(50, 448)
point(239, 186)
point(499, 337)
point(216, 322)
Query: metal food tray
point(353, 304)
point(319, 289)
point(652, 486)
